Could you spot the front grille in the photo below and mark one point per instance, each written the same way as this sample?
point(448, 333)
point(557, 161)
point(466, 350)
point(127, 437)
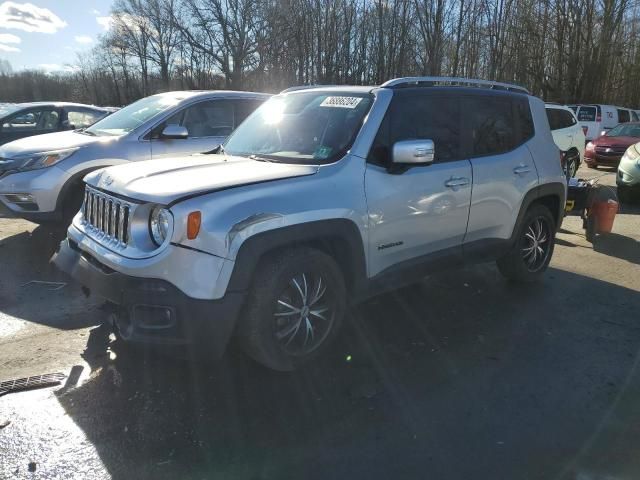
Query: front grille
point(106, 217)
point(611, 150)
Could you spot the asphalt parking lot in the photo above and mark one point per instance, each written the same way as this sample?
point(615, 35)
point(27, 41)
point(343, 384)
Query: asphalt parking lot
point(461, 376)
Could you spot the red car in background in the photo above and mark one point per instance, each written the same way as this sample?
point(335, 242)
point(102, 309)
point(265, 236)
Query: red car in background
point(608, 149)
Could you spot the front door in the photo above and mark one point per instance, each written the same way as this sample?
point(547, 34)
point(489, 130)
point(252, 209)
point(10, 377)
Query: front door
point(421, 210)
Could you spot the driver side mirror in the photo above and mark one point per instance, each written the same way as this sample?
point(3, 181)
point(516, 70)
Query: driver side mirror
point(175, 132)
point(413, 152)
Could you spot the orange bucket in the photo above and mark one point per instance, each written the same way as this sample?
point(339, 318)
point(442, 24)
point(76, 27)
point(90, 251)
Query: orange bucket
point(604, 213)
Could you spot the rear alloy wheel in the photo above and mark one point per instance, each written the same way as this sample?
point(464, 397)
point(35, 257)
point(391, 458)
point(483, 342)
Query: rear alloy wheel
point(533, 248)
point(572, 166)
point(294, 309)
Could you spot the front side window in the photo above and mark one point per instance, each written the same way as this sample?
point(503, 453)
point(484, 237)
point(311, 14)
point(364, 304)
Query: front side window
point(33, 121)
point(132, 116)
point(209, 119)
point(624, 131)
point(492, 125)
point(420, 117)
point(309, 128)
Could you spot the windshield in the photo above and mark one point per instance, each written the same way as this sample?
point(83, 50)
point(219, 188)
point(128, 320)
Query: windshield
point(132, 116)
point(310, 128)
point(8, 109)
point(625, 130)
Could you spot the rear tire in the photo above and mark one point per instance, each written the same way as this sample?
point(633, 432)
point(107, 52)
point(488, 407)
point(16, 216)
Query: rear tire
point(294, 310)
point(532, 251)
point(573, 163)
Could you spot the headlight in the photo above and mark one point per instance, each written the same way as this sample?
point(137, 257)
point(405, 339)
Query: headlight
point(44, 159)
point(590, 146)
point(159, 225)
point(631, 154)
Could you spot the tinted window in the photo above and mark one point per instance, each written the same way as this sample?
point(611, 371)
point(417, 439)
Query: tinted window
point(33, 121)
point(525, 120)
point(566, 119)
point(587, 114)
point(554, 118)
point(634, 116)
point(419, 117)
point(492, 126)
point(623, 116)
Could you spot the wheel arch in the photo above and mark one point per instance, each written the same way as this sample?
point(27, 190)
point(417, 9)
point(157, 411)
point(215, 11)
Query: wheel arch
point(551, 195)
point(76, 180)
point(339, 238)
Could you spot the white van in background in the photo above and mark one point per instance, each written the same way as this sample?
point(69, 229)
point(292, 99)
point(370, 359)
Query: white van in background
point(596, 118)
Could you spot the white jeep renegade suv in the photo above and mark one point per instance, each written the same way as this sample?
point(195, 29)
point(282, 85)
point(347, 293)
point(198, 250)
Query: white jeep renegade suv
point(322, 197)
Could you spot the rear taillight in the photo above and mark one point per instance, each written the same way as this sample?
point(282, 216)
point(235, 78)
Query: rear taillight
point(585, 130)
point(598, 118)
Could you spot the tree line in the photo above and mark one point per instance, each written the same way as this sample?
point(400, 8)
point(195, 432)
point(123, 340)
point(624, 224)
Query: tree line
point(584, 51)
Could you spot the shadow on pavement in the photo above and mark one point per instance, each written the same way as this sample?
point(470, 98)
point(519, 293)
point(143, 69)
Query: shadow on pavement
point(618, 246)
point(25, 291)
point(460, 376)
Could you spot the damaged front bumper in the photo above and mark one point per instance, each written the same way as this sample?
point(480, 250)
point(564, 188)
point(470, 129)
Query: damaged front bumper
point(152, 310)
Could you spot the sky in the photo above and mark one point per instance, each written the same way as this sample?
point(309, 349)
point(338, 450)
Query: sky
point(48, 34)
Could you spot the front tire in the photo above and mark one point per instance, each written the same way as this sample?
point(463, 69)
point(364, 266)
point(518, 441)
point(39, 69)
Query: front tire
point(532, 251)
point(294, 309)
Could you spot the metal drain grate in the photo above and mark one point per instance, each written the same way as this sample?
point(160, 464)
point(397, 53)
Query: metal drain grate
point(29, 383)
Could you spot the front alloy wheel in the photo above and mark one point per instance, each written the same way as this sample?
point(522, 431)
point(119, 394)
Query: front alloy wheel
point(294, 309)
point(304, 314)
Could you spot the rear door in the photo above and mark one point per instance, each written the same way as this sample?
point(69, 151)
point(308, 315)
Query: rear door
point(562, 131)
point(497, 129)
point(590, 119)
point(417, 211)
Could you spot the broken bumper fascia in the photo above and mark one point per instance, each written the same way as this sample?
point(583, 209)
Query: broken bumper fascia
point(157, 311)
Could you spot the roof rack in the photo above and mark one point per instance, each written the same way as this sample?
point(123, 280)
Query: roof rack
point(452, 82)
point(304, 87)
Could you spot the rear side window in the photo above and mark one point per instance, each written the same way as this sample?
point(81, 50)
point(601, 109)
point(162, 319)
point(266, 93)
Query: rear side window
point(525, 120)
point(420, 117)
point(492, 125)
point(567, 119)
point(587, 114)
point(554, 118)
point(623, 116)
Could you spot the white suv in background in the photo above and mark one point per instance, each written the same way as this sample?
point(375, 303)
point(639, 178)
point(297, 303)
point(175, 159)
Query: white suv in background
point(567, 134)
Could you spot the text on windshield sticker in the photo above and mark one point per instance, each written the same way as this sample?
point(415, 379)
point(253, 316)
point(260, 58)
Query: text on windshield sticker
point(341, 102)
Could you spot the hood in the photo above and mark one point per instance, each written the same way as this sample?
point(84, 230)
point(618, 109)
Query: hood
point(168, 180)
point(605, 141)
point(48, 142)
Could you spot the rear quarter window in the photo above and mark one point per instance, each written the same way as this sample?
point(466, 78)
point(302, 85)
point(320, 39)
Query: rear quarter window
point(587, 114)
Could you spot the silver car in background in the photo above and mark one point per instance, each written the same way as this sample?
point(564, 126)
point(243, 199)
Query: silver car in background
point(41, 177)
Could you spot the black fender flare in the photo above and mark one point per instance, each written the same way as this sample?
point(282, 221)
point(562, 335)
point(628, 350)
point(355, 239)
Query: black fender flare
point(73, 181)
point(339, 237)
point(554, 189)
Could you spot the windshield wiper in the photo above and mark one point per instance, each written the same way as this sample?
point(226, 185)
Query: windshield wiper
point(84, 131)
point(258, 158)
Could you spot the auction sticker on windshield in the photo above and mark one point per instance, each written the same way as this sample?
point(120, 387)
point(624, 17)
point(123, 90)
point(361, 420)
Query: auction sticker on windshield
point(341, 102)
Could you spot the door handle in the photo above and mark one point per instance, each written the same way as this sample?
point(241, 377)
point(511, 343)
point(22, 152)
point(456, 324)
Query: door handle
point(455, 182)
point(521, 169)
